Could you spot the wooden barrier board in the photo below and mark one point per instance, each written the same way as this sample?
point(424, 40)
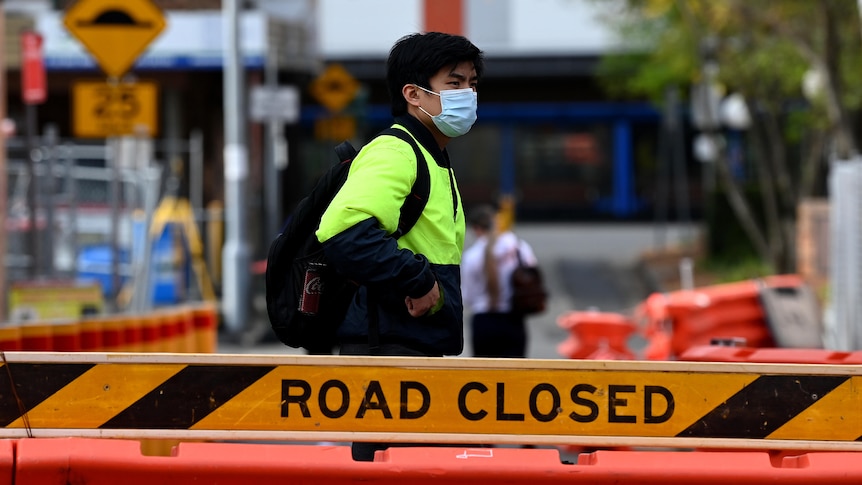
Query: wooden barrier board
point(455, 400)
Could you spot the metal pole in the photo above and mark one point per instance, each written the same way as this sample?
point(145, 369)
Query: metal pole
point(196, 175)
point(236, 258)
point(35, 155)
point(3, 169)
point(113, 164)
point(272, 173)
point(72, 193)
point(50, 186)
point(680, 174)
point(663, 171)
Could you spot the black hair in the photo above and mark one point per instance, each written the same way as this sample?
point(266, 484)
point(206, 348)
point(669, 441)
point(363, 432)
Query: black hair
point(416, 58)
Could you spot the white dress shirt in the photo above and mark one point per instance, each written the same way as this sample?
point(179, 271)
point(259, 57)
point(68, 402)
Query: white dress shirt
point(474, 287)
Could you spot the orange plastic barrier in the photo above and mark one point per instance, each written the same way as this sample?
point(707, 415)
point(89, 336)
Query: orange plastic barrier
point(596, 335)
point(132, 333)
point(100, 462)
point(113, 338)
point(91, 335)
point(173, 329)
point(66, 337)
point(721, 468)
point(37, 336)
point(187, 332)
point(205, 324)
point(151, 332)
point(7, 461)
point(676, 321)
point(716, 353)
point(10, 337)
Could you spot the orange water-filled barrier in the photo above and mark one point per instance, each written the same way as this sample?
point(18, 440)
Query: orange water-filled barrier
point(596, 335)
point(42, 461)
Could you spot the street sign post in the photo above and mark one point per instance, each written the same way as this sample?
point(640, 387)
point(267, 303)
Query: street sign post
point(274, 104)
point(115, 32)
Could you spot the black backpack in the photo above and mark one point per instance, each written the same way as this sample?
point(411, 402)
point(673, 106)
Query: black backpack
point(529, 296)
point(306, 299)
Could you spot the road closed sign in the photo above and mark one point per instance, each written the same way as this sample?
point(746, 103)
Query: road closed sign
point(103, 109)
point(603, 403)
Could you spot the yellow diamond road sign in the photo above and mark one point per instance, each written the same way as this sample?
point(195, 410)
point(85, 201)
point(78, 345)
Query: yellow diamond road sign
point(115, 32)
point(335, 88)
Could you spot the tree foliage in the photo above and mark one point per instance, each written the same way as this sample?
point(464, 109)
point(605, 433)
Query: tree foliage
point(764, 50)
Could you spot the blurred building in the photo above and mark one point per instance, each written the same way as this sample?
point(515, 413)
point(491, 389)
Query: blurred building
point(547, 135)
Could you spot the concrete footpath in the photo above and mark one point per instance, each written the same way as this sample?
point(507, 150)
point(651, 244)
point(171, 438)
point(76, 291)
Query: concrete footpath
point(585, 266)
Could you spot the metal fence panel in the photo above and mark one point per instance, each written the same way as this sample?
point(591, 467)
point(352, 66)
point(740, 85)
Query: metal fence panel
point(844, 329)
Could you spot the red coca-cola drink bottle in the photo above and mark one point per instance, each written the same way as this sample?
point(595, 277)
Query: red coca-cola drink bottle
point(312, 289)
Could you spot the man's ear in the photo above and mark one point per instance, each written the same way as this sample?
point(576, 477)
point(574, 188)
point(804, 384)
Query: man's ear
point(411, 94)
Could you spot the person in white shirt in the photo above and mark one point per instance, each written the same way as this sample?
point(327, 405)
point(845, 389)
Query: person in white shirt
point(486, 270)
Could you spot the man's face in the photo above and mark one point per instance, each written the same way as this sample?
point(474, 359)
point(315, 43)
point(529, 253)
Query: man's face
point(462, 76)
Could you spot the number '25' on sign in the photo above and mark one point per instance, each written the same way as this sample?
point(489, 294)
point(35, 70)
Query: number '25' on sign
point(102, 109)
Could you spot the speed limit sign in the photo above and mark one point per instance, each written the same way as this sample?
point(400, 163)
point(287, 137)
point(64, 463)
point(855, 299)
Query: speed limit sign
point(102, 109)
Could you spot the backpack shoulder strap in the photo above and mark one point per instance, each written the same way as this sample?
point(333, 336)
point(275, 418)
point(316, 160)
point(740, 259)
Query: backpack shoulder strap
point(345, 151)
point(414, 204)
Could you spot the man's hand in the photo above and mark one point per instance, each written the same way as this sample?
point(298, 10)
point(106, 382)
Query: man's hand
point(420, 306)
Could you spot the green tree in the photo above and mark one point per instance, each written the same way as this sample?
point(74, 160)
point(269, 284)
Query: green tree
point(763, 50)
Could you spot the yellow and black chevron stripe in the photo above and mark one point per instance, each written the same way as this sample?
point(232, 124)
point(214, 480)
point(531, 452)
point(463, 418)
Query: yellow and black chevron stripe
point(550, 400)
point(773, 403)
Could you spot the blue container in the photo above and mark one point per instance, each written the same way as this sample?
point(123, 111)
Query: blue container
point(95, 262)
point(167, 268)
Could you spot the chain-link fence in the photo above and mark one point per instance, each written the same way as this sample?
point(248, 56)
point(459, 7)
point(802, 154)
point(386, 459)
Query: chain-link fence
point(70, 206)
point(83, 210)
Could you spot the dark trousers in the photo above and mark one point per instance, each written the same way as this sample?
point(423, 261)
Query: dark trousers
point(499, 335)
point(362, 451)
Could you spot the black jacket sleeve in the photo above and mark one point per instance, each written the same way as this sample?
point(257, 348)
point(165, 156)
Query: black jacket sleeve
point(365, 254)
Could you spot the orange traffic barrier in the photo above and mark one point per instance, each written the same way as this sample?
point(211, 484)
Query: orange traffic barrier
point(205, 324)
point(113, 338)
point(10, 337)
point(151, 332)
point(676, 321)
point(171, 330)
point(187, 330)
point(7, 462)
point(102, 462)
point(133, 334)
point(180, 329)
point(596, 335)
point(717, 353)
point(720, 467)
point(727, 310)
point(37, 336)
point(66, 337)
point(91, 335)
point(60, 461)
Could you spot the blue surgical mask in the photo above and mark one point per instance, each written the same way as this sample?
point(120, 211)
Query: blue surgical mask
point(458, 111)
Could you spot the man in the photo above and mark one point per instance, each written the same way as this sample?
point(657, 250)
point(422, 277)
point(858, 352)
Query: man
point(409, 298)
point(410, 285)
